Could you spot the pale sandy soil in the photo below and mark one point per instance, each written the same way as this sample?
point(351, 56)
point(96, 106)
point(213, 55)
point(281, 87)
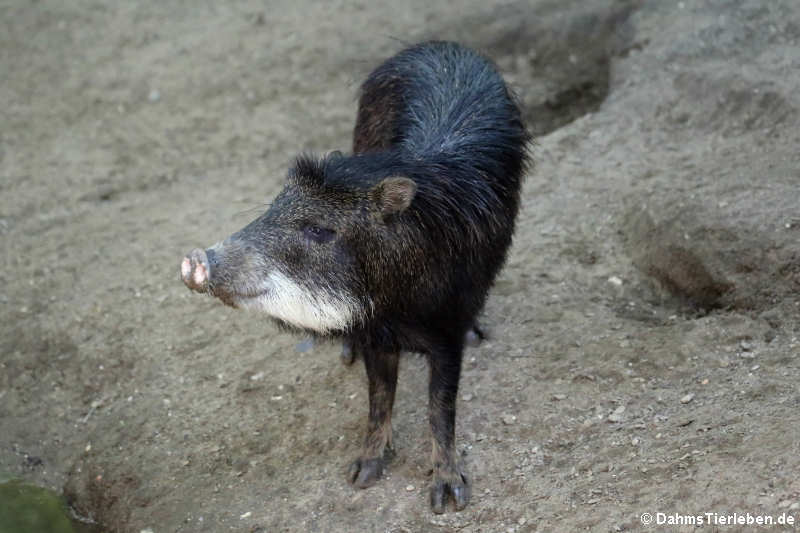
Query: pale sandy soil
point(644, 334)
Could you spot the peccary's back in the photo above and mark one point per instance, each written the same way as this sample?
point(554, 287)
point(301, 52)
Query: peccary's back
point(445, 104)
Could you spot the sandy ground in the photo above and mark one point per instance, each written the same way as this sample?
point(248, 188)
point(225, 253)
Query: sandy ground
point(644, 334)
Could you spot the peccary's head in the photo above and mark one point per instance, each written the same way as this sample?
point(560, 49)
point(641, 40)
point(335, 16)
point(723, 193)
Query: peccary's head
point(309, 260)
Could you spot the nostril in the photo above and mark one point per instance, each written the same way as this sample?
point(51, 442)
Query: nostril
point(200, 276)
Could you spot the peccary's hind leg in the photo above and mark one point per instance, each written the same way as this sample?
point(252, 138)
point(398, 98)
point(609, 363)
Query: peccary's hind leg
point(475, 335)
point(348, 355)
point(382, 376)
point(448, 479)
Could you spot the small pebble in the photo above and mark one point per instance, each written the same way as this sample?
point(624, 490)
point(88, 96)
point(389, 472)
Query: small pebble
point(688, 398)
point(746, 346)
point(245, 515)
point(785, 503)
point(509, 419)
point(635, 441)
point(559, 397)
point(614, 280)
point(409, 488)
point(616, 416)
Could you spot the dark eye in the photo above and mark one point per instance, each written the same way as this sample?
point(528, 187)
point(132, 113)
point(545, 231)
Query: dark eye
point(317, 234)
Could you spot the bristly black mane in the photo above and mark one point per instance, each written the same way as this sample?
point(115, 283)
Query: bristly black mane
point(336, 173)
point(308, 171)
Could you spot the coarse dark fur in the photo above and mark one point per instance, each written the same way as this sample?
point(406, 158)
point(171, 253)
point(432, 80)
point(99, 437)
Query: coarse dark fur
point(410, 231)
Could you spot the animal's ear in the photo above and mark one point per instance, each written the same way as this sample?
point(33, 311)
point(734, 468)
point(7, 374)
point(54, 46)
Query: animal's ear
point(393, 195)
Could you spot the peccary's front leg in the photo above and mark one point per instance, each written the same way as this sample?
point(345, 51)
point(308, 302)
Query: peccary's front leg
point(382, 376)
point(448, 479)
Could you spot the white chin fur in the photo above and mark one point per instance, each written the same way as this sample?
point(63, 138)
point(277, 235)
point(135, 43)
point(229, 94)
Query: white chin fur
point(318, 311)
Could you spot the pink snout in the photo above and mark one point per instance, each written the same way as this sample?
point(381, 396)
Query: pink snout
point(195, 270)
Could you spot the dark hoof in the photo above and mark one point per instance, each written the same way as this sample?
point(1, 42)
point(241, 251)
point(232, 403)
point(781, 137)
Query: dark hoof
point(364, 473)
point(348, 355)
point(458, 489)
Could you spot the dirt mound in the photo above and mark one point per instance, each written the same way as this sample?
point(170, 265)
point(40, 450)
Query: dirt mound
point(708, 262)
